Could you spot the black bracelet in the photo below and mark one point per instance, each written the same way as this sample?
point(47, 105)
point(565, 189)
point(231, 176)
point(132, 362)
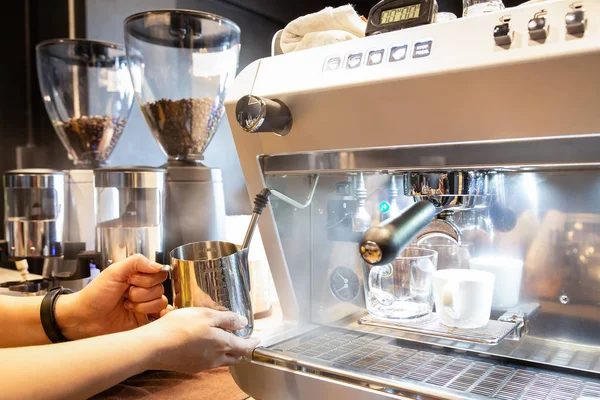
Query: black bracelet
point(47, 315)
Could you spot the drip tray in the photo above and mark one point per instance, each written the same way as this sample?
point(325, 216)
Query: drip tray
point(490, 334)
point(412, 370)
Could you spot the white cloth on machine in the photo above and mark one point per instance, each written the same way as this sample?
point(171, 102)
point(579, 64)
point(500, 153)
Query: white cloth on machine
point(330, 25)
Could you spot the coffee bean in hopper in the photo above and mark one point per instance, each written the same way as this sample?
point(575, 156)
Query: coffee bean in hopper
point(92, 138)
point(184, 127)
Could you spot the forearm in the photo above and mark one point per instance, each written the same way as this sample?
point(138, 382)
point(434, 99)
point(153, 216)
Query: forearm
point(20, 321)
point(74, 370)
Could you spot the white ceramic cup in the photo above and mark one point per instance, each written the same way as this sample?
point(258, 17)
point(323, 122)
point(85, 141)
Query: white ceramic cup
point(508, 272)
point(463, 297)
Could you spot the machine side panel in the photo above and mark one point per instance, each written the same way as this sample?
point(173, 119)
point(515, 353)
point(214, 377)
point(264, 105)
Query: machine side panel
point(249, 149)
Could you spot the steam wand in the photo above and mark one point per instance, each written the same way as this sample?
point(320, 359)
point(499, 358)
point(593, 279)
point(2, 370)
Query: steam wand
point(260, 202)
point(262, 199)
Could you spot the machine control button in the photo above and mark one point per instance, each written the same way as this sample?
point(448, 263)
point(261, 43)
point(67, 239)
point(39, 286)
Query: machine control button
point(422, 49)
point(259, 114)
point(375, 57)
point(538, 28)
point(354, 60)
point(503, 35)
point(398, 53)
point(332, 63)
point(576, 22)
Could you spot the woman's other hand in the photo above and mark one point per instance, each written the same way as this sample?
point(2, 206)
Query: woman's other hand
point(195, 339)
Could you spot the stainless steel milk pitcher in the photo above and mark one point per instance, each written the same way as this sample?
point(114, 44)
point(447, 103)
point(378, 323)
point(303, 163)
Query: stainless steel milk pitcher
point(215, 275)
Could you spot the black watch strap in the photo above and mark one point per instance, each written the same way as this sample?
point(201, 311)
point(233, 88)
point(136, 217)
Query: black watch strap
point(47, 315)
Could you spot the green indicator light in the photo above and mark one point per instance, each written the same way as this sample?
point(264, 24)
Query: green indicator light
point(384, 206)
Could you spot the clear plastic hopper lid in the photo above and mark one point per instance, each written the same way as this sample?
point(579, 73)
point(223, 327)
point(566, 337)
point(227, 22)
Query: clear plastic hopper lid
point(87, 91)
point(189, 60)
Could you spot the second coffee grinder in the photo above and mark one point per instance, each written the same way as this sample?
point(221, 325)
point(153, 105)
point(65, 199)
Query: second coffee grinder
point(189, 61)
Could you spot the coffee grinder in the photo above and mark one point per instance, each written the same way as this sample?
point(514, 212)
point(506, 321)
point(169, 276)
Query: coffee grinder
point(189, 60)
point(88, 95)
point(34, 226)
point(87, 92)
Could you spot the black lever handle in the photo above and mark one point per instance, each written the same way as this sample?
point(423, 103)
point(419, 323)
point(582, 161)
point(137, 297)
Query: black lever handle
point(259, 114)
point(381, 244)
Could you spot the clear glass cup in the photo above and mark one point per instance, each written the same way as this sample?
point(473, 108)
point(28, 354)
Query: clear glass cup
point(472, 8)
point(87, 91)
point(450, 255)
point(402, 290)
point(190, 59)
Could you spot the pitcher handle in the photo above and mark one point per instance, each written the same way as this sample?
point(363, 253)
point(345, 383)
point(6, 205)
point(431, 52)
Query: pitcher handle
point(167, 268)
point(375, 276)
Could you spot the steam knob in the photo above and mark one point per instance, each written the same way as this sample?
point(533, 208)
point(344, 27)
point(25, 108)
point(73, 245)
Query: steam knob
point(259, 114)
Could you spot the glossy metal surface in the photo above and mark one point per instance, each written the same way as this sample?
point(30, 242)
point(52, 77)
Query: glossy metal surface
point(452, 189)
point(116, 243)
point(361, 220)
point(259, 114)
point(481, 155)
point(491, 334)
point(213, 274)
point(414, 371)
point(34, 212)
point(33, 238)
point(404, 126)
point(441, 228)
point(294, 203)
point(130, 207)
point(80, 219)
point(129, 177)
point(531, 215)
point(34, 178)
point(195, 205)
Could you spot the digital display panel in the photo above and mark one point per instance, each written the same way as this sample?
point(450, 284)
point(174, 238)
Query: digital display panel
point(400, 14)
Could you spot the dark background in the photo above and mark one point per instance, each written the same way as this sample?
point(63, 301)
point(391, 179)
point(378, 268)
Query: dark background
point(285, 11)
point(27, 139)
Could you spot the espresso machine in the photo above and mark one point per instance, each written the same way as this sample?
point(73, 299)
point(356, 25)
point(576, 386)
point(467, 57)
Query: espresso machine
point(484, 136)
point(189, 60)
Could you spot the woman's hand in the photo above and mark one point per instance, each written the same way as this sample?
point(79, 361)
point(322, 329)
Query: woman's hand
point(195, 339)
point(119, 299)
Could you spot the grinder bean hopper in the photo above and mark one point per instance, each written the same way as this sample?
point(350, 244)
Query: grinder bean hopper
point(189, 61)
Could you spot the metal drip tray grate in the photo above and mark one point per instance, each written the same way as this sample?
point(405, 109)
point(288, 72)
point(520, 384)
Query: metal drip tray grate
point(395, 367)
point(490, 334)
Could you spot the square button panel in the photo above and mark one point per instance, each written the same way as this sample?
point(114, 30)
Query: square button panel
point(353, 60)
point(332, 63)
point(375, 57)
point(422, 49)
point(398, 53)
